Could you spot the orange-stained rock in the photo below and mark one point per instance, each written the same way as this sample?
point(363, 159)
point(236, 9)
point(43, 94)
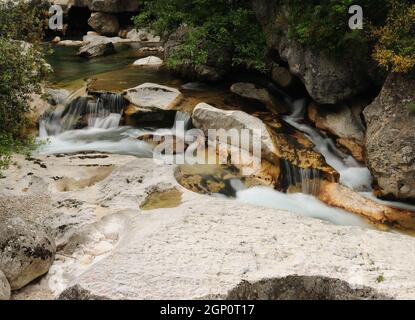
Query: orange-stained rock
point(355, 148)
point(339, 196)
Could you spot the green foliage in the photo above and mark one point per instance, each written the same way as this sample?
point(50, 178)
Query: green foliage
point(324, 24)
point(213, 24)
point(22, 67)
point(22, 20)
point(395, 50)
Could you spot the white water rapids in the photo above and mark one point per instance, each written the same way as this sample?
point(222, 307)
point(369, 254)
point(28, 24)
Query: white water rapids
point(104, 134)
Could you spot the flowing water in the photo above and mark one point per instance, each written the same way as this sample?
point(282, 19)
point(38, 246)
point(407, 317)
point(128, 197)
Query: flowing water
point(352, 174)
point(94, 123)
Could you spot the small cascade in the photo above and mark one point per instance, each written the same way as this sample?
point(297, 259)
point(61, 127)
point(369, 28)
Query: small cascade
point(103, 111)
point(182, 119)
point(307, 179)
point(352, 174)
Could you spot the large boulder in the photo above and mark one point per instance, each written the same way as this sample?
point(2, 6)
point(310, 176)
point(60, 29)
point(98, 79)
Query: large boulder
point(327, 78)
point(96, 49)
point(151, 97)
point(104, 23)
point(4, 287)
point(390, 138)
point(276, 144)
point(26, 251)
point(218, 63)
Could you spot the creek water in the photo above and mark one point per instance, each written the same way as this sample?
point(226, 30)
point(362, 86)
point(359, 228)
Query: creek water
point(103, 131)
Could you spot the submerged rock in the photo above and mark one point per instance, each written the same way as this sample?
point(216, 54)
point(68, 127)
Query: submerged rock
point(390, 138)
point(4, 287)
point(104, 23)
point(26, 251)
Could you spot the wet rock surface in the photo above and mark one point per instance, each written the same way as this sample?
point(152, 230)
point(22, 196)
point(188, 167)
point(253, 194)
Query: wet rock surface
point(105, 240)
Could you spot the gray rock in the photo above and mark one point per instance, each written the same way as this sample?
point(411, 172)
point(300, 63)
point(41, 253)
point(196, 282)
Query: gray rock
point(206, 117)
point(258, 93)
point(26, 251)
point(142, 35)
point(57, 96)
point(150, 61)
point(4, 287)
point(151, 96)
point(96, 49)
point(327, 78)
point(302, 288)
point(390, 138)
point(104, 23)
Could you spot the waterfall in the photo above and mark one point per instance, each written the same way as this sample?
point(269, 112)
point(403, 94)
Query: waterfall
point(182, 117)
point(103, 111)
point(352, 174)
point(306, 178)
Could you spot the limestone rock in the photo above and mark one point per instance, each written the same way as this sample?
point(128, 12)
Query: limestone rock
point(55, 40)
point(142, 35)
point(153, 97)
point(26, 251)
point(57, 96)
point(150, 61)
point(151, 51)
point(275, 143)
point(328, 80)
point(390, 138)
point(70, 43)
point(4, 287)
point(104, 23)
point(96, 49)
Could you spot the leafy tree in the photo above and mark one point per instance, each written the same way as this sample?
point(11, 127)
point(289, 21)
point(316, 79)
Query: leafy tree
point(214, 24)
point(395, 50)
point(22, 67)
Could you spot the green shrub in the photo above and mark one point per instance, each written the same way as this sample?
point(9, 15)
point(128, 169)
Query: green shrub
point(395, 50)
point(323, 24)
point(22, 67)
point(214, 24)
